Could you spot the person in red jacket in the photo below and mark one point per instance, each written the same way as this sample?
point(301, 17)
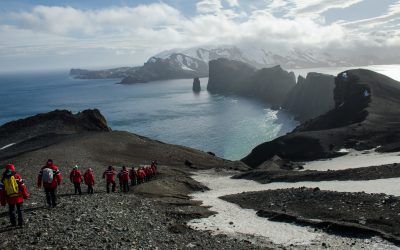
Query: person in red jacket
point(89, 180)
point(15, 192)
point(109, 175)
point(133, 176)
point(50, 177)
point(123, 176)
point(141, 175)
point(76, 178)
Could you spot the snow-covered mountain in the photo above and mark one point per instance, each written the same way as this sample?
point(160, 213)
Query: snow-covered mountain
point(193, 62)
point(259, 57)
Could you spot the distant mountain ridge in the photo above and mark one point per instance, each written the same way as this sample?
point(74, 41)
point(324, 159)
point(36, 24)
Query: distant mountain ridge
point(193, 62)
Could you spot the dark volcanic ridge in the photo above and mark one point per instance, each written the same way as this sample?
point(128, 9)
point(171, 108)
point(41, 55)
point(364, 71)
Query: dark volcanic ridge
point(366, 116)
point(357, 214)
point(352, 174)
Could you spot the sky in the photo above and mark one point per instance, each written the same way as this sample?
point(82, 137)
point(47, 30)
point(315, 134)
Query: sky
point(98, 33)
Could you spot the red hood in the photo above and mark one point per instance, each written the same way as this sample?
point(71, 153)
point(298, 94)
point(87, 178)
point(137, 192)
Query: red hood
point(10, 167)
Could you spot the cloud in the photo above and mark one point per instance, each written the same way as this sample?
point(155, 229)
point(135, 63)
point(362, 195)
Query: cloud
point(209, 6)
point(233, 3)
point(74, 22)
point(315, 7)
point(141, 31)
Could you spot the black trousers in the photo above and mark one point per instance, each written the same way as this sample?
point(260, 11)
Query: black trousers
point(77, 187)
point(125, 186)
point(11, 211)
point(112, 183)
point(51, 196)
point(90, 189)
point(134, 181)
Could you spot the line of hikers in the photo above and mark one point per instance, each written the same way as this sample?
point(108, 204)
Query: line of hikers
point(13, 190)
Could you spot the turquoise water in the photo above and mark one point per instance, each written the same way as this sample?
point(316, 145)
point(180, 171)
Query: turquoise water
point(168, 111)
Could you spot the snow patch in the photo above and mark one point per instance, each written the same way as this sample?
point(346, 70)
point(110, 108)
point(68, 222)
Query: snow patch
point(354, 159)
point(7, 146)
point(234, 221)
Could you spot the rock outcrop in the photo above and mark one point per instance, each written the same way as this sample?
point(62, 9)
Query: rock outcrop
point(311, 96)
point(45, 129)
point(366, 116)
point(227, 76)
point(268, 84)
point(196, 85)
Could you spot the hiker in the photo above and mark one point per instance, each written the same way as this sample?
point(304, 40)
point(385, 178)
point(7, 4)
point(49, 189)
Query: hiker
point(109, 175)
point(89, 180)
point(141, 175)
point(14, 192)
point(76, 178)
point(154, 167)
point(51, 179)
point(133, 176)
point(123, 177)
point(3, 198)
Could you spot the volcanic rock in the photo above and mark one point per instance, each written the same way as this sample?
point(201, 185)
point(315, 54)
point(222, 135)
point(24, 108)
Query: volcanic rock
point(196, 85)
point(268, 84)
point(311, 96)
point(366, 115)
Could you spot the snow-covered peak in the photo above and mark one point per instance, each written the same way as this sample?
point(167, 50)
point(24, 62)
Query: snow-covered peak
point(259, 57)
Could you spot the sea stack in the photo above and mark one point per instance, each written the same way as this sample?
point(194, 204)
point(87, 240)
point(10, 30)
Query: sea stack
point(196, 85)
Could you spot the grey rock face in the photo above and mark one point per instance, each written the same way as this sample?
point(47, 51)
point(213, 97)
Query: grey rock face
point(311, 96)
point(268, 84)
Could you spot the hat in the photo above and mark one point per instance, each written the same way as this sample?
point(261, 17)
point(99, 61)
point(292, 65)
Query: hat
point(10, 167)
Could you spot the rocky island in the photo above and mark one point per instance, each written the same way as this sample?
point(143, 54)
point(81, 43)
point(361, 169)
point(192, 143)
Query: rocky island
point(196, 85)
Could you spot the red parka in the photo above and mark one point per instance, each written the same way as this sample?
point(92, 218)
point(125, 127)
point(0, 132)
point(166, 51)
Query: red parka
point(109, 175)
point(23, 191)
point(56, 177)
point(123, 175)
point(89, 177)
point(141, 173)
point(75, 176)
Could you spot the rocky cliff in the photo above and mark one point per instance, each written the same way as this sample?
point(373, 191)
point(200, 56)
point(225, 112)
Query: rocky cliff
point(311, 96)
point(366, 115)
point(269, 84)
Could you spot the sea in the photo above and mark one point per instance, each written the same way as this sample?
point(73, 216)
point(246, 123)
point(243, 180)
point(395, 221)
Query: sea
point(230, 126)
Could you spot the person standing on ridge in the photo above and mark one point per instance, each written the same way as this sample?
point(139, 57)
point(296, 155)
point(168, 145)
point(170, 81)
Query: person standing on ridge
point(51, 178)
point(76, 178)
point(89, 180)
point(133, 176)
point(109, 175)
point(123, 176)
point(14, 192)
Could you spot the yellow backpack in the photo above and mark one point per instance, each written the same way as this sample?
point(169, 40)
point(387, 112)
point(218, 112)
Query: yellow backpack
point(11, 186)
